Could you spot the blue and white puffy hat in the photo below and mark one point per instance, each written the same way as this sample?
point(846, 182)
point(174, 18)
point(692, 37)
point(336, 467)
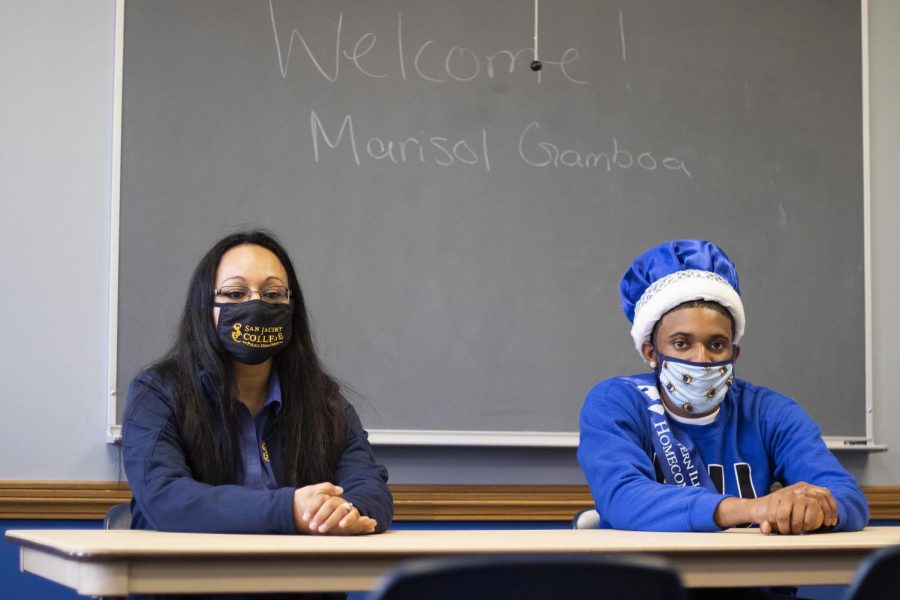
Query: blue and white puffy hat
point(678, 271)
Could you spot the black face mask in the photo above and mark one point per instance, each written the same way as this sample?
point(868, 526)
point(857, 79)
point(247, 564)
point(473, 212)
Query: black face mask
point(254, 331)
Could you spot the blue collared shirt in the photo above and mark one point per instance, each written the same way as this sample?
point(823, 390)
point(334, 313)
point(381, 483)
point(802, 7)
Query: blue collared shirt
point(257, 468)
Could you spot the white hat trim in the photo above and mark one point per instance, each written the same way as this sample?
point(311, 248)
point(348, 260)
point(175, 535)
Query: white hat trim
point(683, 286)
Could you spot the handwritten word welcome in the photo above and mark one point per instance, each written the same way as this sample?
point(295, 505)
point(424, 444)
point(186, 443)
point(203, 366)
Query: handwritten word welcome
point(426, 62)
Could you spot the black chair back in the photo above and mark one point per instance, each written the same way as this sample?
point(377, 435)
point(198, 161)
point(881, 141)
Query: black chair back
point(532, 577)
point(878, 577)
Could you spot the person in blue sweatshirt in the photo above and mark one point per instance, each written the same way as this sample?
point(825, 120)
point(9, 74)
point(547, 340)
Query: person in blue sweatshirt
point(688, 446)
point(239, 429)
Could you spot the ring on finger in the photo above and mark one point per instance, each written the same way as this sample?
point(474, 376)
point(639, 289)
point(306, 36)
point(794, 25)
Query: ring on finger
point(348, 506)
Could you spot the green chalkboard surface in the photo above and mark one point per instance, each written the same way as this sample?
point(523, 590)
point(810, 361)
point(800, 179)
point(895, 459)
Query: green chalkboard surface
point(460, 222)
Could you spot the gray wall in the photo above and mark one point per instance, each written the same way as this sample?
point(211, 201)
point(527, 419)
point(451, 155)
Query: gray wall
point(56, 83)
point(55, 129)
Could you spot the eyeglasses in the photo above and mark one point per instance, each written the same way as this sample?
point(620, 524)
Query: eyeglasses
point(275, 294)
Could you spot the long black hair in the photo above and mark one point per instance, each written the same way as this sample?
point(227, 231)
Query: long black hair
point(313, 421)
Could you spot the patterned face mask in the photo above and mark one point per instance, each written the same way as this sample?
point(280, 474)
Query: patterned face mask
point(696, 388)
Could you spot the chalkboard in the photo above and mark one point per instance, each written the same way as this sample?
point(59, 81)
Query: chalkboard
point(460, 222)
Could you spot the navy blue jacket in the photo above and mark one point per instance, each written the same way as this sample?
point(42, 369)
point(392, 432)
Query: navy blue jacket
point(166, 496)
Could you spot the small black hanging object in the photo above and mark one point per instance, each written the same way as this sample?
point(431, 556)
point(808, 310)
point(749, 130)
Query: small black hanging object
point(536, 63)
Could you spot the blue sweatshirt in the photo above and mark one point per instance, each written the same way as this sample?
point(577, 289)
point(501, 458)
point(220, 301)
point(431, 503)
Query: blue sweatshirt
point(758, 437)
point(168, 498)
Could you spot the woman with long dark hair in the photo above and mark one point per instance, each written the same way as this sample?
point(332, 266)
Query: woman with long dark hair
point(238, 428)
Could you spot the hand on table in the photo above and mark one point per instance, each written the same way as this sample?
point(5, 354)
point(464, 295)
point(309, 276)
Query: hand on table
point(797, 508)
point(320, 510)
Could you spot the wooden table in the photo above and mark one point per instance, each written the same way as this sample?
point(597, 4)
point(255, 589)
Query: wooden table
point(120, 562)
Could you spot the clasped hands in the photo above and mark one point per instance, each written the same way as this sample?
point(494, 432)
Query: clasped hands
point(320, 510)
point(797, 508)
